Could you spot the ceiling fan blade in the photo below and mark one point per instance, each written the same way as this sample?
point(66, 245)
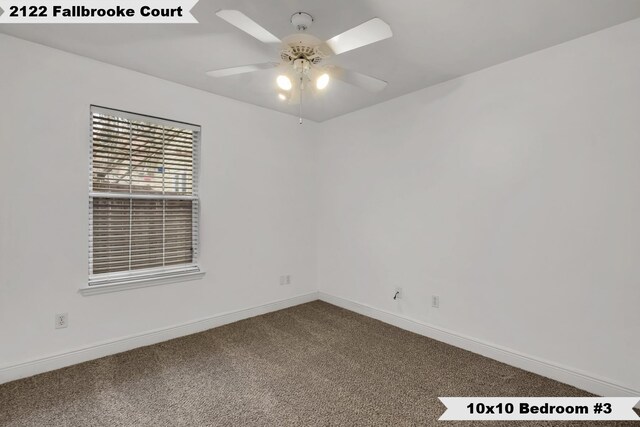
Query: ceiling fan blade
point(371, 31)
point(224, 72)
point(363, 81)
point(248, 25)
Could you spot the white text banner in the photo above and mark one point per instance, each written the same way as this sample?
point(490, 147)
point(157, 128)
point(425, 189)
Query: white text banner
point(97, 12)
point(540, 408)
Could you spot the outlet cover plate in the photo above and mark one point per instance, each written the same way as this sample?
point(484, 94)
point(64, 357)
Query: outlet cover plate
point(62, 320)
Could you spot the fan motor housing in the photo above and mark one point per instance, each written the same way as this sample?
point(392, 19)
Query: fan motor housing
point(302, 46)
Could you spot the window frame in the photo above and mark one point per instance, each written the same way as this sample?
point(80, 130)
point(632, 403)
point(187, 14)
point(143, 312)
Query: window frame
point(137, 278)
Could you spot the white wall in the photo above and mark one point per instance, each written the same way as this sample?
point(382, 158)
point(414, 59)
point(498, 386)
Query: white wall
point(512, 193)
point(257, 199)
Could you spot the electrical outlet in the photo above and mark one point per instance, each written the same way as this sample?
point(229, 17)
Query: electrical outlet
point(435, 301)
point(285, 280)
point(397, 294)
point(62, 320)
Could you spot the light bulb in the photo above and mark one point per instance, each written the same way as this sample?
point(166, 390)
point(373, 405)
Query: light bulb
point(283, 82)
point(322, 81)
point(282, 97)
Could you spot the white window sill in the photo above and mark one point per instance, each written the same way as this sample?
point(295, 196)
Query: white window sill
point(141, 282)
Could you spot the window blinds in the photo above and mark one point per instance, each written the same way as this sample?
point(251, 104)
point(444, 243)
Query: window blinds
point(143, 204)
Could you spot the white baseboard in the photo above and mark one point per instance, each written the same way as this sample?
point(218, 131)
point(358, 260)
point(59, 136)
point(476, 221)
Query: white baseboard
point(57, 361)
point(574, 377)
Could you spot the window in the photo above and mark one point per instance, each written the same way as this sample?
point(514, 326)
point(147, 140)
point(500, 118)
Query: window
point(143, 199)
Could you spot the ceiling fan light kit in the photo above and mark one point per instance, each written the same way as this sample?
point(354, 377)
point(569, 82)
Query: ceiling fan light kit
point(322, 81)
point(284, 82)
point(302, 54)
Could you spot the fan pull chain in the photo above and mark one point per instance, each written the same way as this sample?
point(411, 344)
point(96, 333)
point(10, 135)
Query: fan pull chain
point(300, 106)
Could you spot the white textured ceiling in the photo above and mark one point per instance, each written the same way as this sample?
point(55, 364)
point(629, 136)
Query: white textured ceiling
point(434, 41)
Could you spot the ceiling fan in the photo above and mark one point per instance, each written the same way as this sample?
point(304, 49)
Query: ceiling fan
point(303, 57)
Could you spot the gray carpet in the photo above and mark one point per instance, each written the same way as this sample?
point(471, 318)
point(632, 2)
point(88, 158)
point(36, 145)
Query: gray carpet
point(310, 365)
